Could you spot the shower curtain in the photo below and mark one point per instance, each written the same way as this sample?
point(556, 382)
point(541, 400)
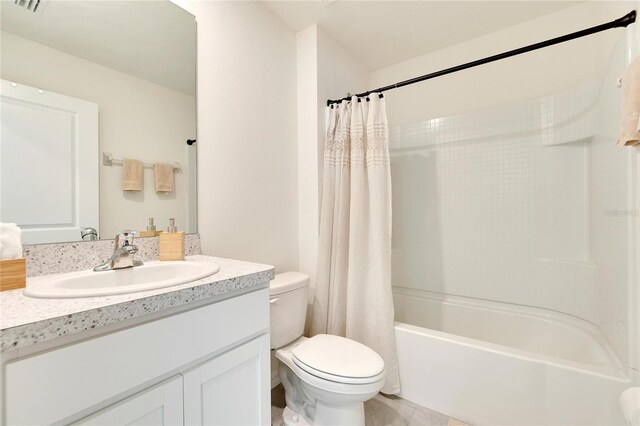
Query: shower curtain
point(353, 277)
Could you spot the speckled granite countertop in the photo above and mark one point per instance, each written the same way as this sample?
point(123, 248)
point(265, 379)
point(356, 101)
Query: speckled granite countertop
point(25, 321)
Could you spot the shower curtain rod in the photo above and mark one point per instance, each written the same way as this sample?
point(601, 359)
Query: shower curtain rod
point(627, 19)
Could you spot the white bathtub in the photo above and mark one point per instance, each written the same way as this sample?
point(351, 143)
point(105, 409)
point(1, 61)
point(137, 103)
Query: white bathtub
point(492, 363)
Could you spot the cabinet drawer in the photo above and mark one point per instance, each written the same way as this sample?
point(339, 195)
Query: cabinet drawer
point(67, 383)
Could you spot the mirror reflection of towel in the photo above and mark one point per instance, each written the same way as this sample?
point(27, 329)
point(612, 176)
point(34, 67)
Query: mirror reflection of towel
point(131, 175)
point(164, 177)
point(630, 115)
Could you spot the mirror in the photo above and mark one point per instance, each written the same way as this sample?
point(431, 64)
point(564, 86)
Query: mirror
point(85, 85)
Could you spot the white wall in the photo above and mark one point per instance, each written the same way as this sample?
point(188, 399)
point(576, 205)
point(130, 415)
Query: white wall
point(309, 149)
point(137, 119)
point(527, 76)
point(339, 73)
point(247, 150)
point(325, 70)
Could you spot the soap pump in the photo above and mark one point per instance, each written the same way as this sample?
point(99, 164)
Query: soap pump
point(151, 230)
point(172, 243)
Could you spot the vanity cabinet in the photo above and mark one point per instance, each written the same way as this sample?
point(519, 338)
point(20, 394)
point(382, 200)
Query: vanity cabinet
point(205, 365)
point(162, 405)
point(227, 389)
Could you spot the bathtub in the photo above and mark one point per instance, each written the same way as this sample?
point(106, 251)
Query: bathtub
point(500, 364)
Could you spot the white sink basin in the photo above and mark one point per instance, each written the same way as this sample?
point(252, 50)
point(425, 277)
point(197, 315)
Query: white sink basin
point(151, 275)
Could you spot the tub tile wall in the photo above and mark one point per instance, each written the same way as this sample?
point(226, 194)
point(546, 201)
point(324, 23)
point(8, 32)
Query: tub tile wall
point(44, 259)
point(611, 211)
point(488, 204)
point(530, 203)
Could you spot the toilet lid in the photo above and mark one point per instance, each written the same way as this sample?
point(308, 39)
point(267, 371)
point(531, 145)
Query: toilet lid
point(338, 359)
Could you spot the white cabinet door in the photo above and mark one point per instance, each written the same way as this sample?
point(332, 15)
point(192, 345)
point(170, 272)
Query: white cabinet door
point(160, 405)
point(232, 389)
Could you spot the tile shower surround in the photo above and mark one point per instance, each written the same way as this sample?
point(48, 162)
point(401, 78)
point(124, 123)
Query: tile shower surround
point(515, 203)
point(472, 204)
point(612, 212)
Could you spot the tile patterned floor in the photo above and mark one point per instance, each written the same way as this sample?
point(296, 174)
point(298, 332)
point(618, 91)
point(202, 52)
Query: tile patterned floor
point(379, 411)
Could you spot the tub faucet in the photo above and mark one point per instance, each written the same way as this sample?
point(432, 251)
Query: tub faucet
point(123, 253)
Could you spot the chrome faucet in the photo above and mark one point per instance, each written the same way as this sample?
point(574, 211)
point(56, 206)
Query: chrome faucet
point(123, 253)
point(88, 234)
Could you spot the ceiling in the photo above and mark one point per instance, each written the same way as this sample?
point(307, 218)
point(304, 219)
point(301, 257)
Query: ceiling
point(152, 40)
point(382, 33)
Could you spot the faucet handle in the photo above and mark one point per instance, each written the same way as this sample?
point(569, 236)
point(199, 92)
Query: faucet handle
point(125, 238)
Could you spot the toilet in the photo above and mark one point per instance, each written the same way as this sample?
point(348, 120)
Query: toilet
point(326, 378)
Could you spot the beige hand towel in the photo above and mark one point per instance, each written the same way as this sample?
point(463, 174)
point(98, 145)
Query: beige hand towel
point(164, 177)
point(630, 116)
point(131, 175)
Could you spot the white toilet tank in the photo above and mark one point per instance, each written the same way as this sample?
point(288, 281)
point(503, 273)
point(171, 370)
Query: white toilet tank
point(288, 298)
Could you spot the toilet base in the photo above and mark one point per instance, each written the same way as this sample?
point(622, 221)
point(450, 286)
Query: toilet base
point(289, 418)
point(351, 414)
point(312, 400)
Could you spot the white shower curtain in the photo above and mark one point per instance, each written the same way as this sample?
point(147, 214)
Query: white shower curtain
point(353, 278)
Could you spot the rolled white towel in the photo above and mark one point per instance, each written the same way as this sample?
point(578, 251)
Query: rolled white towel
point(10, 241)
point(630, 404)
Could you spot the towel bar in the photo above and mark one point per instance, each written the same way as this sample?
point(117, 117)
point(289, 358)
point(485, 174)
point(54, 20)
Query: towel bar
point(110, 160)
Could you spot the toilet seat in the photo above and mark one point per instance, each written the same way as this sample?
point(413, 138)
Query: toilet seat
point(337, 386)
point(338, 359)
